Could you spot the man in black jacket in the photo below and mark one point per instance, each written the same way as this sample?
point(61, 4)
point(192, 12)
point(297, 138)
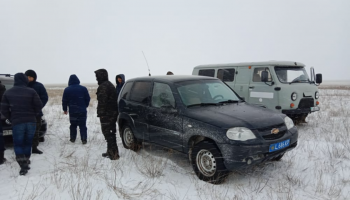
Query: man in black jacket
point(21, 105)
point(41, 91)
point(2, 144)
point(107, 111)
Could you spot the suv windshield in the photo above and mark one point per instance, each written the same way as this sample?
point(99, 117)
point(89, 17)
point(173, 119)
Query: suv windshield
point(292, 74)
point(205, 92)
point(8, 84)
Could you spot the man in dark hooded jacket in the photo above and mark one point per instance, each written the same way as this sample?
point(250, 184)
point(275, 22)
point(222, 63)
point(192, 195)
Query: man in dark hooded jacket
point(120, 80)
point(77, 99)
point(21, 105)
point(41, 91)
point(107, 111)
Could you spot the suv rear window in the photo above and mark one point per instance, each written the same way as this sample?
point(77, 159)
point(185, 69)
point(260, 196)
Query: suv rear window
point(141, 92)
point(126, 91)
point(207, 72)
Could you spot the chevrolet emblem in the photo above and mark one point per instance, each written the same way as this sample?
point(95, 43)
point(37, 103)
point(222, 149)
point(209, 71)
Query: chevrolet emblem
point(275, 131)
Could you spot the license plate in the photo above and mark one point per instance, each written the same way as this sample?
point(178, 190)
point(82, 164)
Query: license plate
point(280, 145)
point(7, 132)
point(313, 109)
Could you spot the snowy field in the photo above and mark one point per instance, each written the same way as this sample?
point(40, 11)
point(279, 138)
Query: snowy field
point(318, 168)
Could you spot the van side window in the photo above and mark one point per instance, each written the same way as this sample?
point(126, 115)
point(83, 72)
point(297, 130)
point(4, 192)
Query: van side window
point(162, 96)
point(226, 75)
point(207, 72)
point(141, 92)
point(257, 74)
point(126, 91)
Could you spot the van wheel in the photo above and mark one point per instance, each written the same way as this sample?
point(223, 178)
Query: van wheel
point(129, 140)
point(42, 139)
point(278, 158)
point(207, 163)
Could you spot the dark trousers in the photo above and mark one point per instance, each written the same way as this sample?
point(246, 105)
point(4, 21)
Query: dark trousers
point(78, 119)
point(2, 143)
point(23, 138)
point(37, 131)
point(109, 130)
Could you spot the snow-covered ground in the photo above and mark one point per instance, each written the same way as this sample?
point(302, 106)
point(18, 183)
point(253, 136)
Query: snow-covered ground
point(318, 168)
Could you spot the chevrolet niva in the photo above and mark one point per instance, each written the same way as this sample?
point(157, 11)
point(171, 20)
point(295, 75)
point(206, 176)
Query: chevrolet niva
point(204, 118)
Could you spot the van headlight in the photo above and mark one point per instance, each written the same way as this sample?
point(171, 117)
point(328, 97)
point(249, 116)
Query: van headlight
point(289, 122)
point(316, 95)
point(240, 134)
point(294, 96)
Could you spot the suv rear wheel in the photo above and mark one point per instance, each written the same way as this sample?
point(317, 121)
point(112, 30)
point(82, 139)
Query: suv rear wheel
point(207, 162)
point(129, 140)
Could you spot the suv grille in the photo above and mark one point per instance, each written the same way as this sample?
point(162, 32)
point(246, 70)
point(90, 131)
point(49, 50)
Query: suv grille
point(274, 136)
point(306, 103)
point(266, 132)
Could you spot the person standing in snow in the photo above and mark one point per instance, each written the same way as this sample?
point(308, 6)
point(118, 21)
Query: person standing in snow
point(22, 105)
point(41, 91)
point(2, 143)
point(76, 98)
point(120, 80)
point(107, 111)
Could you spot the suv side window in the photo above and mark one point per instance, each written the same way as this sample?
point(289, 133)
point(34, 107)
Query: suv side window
point(141, 92)
point(207, 72)
point(227, 75)
point(126, 91)
point(257, 74)
point(162, 96)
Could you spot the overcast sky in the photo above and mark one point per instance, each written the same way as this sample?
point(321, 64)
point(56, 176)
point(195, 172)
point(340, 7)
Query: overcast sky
point(58, 38)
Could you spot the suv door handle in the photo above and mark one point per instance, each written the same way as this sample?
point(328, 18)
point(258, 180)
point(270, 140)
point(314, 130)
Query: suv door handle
point(251, 87)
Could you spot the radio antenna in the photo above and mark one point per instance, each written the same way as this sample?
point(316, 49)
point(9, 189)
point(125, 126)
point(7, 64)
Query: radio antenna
point(149, 71)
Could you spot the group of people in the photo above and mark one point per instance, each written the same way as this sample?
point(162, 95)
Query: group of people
point(23, 103)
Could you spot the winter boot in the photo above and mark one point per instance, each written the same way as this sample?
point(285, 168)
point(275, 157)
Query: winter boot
point(22, 161)
point(105, 155)
point(36, 150)
point(113, 154)
point(72, 141)
point(2, 159)
point(84, 141)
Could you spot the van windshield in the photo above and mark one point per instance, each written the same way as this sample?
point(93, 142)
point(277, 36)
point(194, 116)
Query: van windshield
point(292, 75)
point(8, 84)
point(205, 92)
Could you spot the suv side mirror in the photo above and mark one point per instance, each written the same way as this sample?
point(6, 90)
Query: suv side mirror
point(264, 76)
point(318, 78)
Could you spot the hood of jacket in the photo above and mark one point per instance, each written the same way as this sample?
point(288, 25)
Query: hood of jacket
point(21, 80)
point(122, 76)
point(73, 80)
point(101, 75)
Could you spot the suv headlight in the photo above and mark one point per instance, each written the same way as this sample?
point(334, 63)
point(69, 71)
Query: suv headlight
point(316, 95)
point(294, 96)
point(289, 122)
point(240, 133)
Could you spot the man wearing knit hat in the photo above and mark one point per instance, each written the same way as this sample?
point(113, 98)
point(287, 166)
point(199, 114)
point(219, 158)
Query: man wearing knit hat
point(41, 91)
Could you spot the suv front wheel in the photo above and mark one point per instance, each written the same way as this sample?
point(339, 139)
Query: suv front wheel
point(129, 140)
point(207, 162)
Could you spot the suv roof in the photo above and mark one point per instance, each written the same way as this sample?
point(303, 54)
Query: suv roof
point(172, 78)
point(5, 77)
point(244, 64)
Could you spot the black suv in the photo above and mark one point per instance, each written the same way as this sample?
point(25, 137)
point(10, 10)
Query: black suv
point(205, 118)
point(8, 81)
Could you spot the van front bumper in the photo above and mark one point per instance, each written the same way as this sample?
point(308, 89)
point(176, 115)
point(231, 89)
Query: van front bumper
point(242, 156)
point(299, 111)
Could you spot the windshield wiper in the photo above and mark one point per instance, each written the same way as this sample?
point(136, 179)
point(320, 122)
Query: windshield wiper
point(230, 101)
point(203, 104)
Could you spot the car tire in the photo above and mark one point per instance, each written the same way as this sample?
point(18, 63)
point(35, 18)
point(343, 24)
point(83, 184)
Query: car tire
point(42, 139)
point(208, 163)
point(278, 158)
point(128, 139)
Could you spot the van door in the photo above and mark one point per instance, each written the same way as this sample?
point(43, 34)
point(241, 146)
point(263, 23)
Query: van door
point(262, 93)
point(243, 75)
